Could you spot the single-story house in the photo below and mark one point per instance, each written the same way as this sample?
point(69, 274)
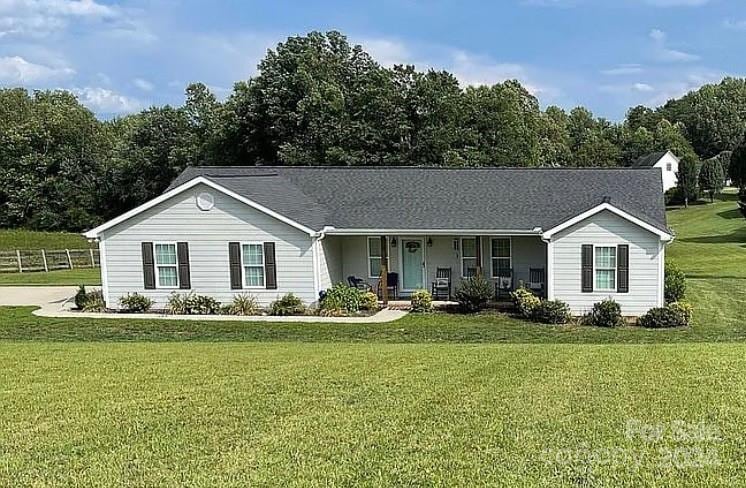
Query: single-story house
point(585, 234)
point(668, 164)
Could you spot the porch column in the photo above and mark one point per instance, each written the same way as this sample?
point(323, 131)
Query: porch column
point(384, 271)
point(478, 240)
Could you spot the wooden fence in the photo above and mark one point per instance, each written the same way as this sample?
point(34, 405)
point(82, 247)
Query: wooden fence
point(26, 261)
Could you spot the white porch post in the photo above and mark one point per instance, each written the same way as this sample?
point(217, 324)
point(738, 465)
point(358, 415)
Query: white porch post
point(550, 269)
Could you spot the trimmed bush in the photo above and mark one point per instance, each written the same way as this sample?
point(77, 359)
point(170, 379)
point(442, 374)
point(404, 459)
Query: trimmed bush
point(135, 303)
point(607, 313)
point(672, 315)
point(525, 301)
point(188, 304)
point(473, 293)
point(242, 304)
point(421, 301)
point(94, 302)
point(552, 312)
point(342, 297)
point(368, 301)
point(289, 304)
point(675, 284)
point(80, 297)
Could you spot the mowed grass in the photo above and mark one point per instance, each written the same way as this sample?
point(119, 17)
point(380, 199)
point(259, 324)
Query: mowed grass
point(710, 239)
point(64, 277)
point(249, 414)
point(12, 239)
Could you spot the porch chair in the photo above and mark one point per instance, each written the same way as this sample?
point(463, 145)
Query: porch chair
point(392, 285)
point(536, 280)
point(503, 283)
point(359, 283)
point(442, 284)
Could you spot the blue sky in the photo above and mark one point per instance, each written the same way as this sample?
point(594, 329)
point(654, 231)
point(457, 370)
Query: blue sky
point(608, 55)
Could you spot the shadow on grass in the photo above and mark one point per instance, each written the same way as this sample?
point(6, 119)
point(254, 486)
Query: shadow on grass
point(736, 237)
point(730, 214)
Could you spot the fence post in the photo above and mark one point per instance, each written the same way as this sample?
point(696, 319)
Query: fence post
point(18, 258)
point(69, 260)
point(44, 260)
point(93, 261)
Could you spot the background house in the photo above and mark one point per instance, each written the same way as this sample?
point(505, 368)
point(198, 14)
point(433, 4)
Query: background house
point(666, 161)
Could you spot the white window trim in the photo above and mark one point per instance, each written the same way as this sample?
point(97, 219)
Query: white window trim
point(367, 264)
point(493, 257)
point(157, 266)
point(475, 258)
point(615, 268)
point(243, 267)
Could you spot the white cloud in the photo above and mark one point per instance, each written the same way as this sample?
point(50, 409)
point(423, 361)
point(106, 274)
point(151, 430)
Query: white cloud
point(623, 69)
point(17, 70)
point(105, 101)
point(734, 24)
point(142, 84)
point(681, 85)
point(642, 87)
point(38, 18)
point(628, 88)
point(387, 52)
point(662, 52)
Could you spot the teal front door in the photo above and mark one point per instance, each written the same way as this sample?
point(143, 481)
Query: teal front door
point(413, 264)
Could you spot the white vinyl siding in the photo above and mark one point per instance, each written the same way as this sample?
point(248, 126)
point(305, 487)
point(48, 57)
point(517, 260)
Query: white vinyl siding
point(208, 234)
point(606, 229)
point(166, 265)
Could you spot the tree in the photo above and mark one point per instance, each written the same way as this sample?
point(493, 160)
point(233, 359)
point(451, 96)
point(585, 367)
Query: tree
point(711, 178)
point(737, 167)
point(687, 179)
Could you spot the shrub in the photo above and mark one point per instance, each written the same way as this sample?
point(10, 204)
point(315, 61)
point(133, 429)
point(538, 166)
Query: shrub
point(675, 284)
point(473, 293)
point(421, 301)
point(525, 301)
point(672, 315)
point(607, 313)
point(135, 303)
point(552, 312)
point(368, 301)
point(242, 304)
point(80, 297)
point(287, 305)
point(341, 297)
point(190, 303)
point(94, 302)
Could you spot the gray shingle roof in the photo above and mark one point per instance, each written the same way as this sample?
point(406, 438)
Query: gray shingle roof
point(649, 160)
point(438, 198)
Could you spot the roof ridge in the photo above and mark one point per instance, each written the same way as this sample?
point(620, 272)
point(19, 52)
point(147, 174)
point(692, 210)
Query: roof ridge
point(443, 168)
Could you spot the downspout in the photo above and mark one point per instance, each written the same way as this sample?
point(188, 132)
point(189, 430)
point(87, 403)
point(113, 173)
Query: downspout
point(550, 267)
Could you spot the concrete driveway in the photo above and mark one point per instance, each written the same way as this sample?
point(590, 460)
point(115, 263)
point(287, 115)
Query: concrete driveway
point(41, 296)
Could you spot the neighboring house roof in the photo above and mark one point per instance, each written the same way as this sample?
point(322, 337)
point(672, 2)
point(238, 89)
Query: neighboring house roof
point(435, 198)
point(649, 160)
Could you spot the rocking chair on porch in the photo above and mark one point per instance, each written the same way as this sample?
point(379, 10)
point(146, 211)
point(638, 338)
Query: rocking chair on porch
point(442, 285)
point(392, 285)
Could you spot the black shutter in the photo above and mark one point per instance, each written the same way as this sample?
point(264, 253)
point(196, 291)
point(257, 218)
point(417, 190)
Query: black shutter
point(622, 268)
point(270, 266)
point(587, 268)
point(148, 266)
point(182, 252)
point(234, 258)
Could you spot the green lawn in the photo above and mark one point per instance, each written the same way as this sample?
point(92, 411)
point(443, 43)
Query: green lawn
point(428, 400)
point(78, 276)
point(12, 239)
point(248, 414)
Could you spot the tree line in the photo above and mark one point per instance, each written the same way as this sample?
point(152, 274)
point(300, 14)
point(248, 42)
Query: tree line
point(318, 100)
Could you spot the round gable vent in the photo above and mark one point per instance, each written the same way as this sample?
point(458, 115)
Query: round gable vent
point(205, 201)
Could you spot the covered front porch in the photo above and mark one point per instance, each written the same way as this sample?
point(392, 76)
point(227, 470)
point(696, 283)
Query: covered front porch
point(419, 261)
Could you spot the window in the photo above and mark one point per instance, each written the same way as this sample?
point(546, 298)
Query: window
point(605, 268)
point(501, 260)
point(252, 261)
point(374, 257)
point(668, 166)
point(166, 267)
point(468, 256)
